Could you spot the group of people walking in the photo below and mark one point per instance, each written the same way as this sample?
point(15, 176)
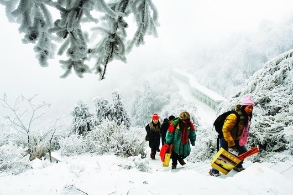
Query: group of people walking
point(180, 132)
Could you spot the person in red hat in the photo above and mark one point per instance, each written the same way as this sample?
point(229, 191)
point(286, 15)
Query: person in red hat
point(153, 135)
point(235, 135)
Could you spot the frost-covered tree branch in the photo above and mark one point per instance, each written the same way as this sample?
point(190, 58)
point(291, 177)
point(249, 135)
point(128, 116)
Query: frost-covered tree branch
point(22, 116)
point(22, 119)
point(83, 120)
point(65, 23)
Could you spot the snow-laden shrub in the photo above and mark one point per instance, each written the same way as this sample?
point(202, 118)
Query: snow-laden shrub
point(268, 134)
point(61, 135)
point(138, 163)
point(15, 168)
point(13, 136)
point(11, 152)
point(129, 142)
point(116, 139)
point(98, 140)
point(109, 137)
point(37, 147)
point(205, 147)
point(9, 134)
point(13, 159)
point(288, 131)
point(272, 157)
point(72, 145)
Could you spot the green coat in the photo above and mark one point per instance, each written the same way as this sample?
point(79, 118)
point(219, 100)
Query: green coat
point(174, 136)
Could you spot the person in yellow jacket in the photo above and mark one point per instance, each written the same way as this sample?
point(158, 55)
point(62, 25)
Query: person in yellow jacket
point(235, 136)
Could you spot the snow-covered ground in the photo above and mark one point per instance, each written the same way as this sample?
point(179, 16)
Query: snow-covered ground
point(91, 174)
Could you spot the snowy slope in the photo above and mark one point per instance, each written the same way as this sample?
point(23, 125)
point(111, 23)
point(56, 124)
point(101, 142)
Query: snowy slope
point(90, 174)
point(272, 88)
point(207, 116)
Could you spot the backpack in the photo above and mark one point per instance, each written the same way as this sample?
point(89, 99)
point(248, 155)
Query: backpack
point(219, 122)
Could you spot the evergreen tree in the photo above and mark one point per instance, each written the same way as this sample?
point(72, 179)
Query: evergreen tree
point(71, 29)
point(119, 113)
point(112, 112)
point(83, 120)
point(103, 110)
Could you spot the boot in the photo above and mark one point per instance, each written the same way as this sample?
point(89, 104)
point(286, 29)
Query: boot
point(214, 173)
point(238, 169)
point(152, 156)
point(182, 162)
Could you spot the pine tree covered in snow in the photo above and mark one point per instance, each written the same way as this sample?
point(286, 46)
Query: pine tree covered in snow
point(119, 113)
point(112, 112)
point(83, 120)
point(103, 109)
point(71, 28)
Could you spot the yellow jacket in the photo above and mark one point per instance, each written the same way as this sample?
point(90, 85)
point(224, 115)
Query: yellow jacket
point(231, 133)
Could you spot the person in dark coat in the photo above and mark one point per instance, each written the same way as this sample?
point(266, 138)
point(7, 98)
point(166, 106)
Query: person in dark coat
point(153, 134)
point(165, 126)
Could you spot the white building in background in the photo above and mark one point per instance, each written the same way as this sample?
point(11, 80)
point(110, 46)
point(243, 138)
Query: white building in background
point(207, 96)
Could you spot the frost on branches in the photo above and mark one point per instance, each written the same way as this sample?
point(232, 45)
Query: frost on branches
point(119, 113)
point(75, 22)
point(112, 112)
point(271, 87)
point(108, 137)
point(83, 120)
point(108, 130)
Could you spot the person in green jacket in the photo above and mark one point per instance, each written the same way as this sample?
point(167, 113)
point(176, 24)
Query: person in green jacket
point(181, 134)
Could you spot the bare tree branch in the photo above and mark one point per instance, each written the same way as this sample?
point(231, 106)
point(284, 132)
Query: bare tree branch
point(23, 120)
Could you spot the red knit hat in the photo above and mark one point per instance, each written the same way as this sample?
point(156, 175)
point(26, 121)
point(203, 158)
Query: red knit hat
point(155, 117)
